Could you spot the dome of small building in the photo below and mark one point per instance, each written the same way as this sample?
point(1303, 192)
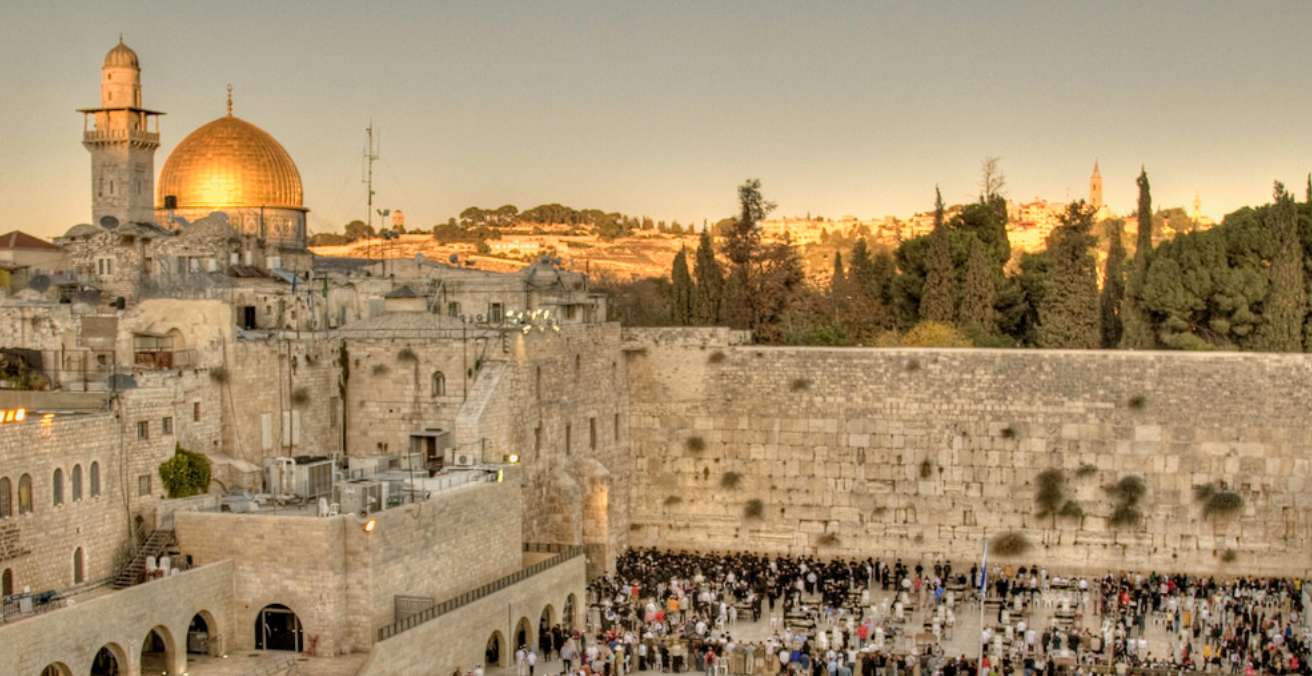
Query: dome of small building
point(230, 163)
point(121, 56)
point(81, 230)
point(214, 226)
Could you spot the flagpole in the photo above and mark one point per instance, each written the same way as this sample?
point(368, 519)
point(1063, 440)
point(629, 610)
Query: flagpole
point(983, 596)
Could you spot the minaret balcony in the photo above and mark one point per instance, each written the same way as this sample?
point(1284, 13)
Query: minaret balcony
point(111, 136)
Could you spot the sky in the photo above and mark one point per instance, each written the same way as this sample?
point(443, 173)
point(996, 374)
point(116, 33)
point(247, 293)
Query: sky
point(663, 108)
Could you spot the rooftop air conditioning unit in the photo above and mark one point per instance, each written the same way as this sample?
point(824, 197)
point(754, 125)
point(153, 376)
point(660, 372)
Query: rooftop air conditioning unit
point(359, 496)
point(464, 460)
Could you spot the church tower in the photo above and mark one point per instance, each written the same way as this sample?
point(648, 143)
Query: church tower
point(121, 143)
point(1095, 188)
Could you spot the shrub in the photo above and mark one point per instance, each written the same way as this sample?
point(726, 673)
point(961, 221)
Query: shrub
point(717, 357)
point(1137, 402)
point(913, 365)
point(1204, 492)
point(185, 474)
point(219, 375)
point(1086, 470)
point(1009, 544)
point(731, 479)
point(1125, 515)
point(1130, 489)
point(926, 468)
point(672, 500)
point(828, 540)
point(696, 444)
point(934, 334)
point(1051, 484)
point(407, 355)
point(301, 397)
point(1223, 503)
point(799, 384)
point(381, 369)
point(1009, 432)
point(1071, 510)
point(1229, 556)
point(754, 509)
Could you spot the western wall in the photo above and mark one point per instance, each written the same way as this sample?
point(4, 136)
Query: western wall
point(924, 453)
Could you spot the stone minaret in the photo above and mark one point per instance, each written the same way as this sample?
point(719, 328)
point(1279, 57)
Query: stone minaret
point(121, 143)
point(1095, 188)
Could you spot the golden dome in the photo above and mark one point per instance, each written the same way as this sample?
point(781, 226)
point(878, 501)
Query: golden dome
point(230, 163)
point(121, 56)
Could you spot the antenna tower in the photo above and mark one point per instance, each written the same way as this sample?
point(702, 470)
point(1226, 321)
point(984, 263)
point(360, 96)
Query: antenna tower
point(370, 156)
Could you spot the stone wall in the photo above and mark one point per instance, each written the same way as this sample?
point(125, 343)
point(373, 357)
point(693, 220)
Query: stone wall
point(456, 641)
point(341, 581)
point(71, 636)
point(924, 453)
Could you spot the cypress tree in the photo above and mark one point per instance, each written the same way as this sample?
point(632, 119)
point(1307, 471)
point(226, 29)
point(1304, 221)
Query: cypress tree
point(938, 301)
point(681, 291)
point(837, 282)
point(1285, 305)
point(1137, 330)
point(1113, 287)
point(1068, 314)
point(708, 297)
point(978, 295)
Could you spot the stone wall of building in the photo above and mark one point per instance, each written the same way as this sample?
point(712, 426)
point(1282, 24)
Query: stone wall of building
point(924, 453)
point(456, 641)
point(340, 580)
point(71, 636)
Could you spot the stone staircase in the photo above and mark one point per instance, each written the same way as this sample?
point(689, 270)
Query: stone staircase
point(135, 571)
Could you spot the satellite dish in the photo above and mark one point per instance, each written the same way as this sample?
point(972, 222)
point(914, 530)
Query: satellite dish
point(89, 296)
point(454, 258)
point(108, 222)
point(39, 283)
point(419, 258)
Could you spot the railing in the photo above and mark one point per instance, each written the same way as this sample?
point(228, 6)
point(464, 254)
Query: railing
point(120, 134)
point(547, 547)
point(466, 598)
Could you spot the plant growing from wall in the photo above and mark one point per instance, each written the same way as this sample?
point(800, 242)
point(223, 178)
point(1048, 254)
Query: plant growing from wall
point(407, 355)
point(828, 540)
point(381, 369)
point(731, 479)
point(301, 397)
point(1126, 493)
point(1009, 432)
point(1138, 402)
point(1009, 544)
point(1229, 556)
point(717, 357)
point(799, 385)
point(671, 500)
point(754, 509)
point(219, 374)
point(696, 444)
point(1086, 470)
point(1218, 500)
point(1050, 487)
point(926, 468)
point(185, 474)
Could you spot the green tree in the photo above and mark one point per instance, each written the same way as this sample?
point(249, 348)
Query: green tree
point(1113, 286)
point(1137, 324)
point(185, 474)
point(978, 294)
point(709, 294)
point(837, 280)
point(1284, 309)
point(1068, 317)
point(938, 302)
point(681, 292)
point(358, 230)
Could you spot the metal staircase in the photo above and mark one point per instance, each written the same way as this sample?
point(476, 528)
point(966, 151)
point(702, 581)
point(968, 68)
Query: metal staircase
point(135, 571)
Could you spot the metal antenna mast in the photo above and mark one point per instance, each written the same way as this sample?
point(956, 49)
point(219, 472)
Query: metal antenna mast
point(370, 156)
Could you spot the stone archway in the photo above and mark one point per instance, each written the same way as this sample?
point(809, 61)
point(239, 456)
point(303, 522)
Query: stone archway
point(111, 660)
point(524, 634)
point(495, 653)
point(159, 654)
point(203, 635)
point(56, 669)
point(278, 628)
point(545, 623)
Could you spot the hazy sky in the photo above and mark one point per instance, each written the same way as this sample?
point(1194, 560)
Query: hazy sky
point(662, 108)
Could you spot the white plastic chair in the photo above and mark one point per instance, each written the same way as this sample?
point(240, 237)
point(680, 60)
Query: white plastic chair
point(151, 566)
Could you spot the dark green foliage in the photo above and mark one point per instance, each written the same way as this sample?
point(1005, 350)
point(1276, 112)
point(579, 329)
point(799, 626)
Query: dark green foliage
point(635, 302)
point(717, 357)
point(1285, 306)
point(1137, 402)
point(1229, 556)
point(1086, 470)
point(1068, 316)
point(301, 397)
point(744, 236)
point(837, 281)
point(828, 540)
point(754, 509)
point(926, 468)
point(978, 294)
point(681, 292)
point(799, 385)
point(1113, 287)
point(671, 500)
point(938, 303)
point(381, 370)
point(696, 444)
point(1137, 324)
point(1222, 503)
point(1125, 516)
point(407, 355)
point(913, 365)
point(1009, 432)
point(1050, 487)
point(185, 474)
point(731, 479)
point(1020, 318)
point(1010, 544)
point(1071, 510)
point(709, 293)
point(1204, 492)
point(219, 374)
point(1144, 239)
point(1127, 493)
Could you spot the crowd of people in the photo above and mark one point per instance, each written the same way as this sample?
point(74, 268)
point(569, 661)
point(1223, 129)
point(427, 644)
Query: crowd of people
point(682, 611)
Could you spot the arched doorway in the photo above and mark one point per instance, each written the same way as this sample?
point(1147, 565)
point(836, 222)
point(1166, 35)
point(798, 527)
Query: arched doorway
point(202, 635)
point(523, 633)
point(110, 661)
point(278, 628)
point(495, 649)
point(157, 651)
point(56, 669)
point(544, 631)
point(570, 604)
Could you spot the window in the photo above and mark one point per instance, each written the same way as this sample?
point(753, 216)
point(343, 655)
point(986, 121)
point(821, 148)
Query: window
point(143, 429)
point(57, 488)
point(439, 384)
point(195, 411)
point(567, 435)
point(578, 367)
point(538, 385)
point(7, 583)
point(143, 485)
point(77, 482)
point(95, 479)
point(6, 500)
point(77, 566)
point(104, 266)
point(25, 494)
point(166, 425)
point(494, 313)
point(592, 433)
point(617, 427)
point(453, 309)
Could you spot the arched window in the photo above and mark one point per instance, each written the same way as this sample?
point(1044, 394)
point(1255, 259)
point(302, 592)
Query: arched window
point(77, 482)
point(7, 583)
point(6, 498)
point(439, 384)
point(78, 566)
point(24, 494)
point(95, 479)
point(57, 488)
